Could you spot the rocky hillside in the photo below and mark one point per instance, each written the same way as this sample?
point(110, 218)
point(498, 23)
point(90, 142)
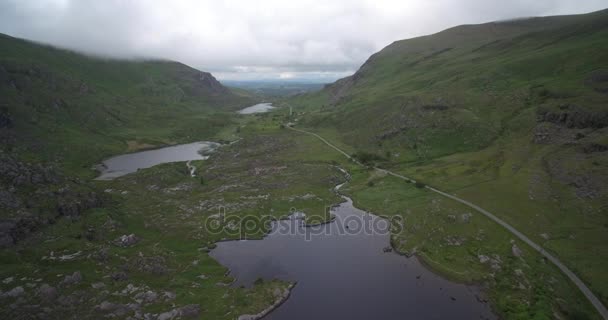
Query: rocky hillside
point(61, 112)
point(465, 88)
point(510, 115)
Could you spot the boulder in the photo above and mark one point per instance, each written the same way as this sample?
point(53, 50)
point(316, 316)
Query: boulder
point(72, 279)
point(126, 240)
point(516, 250)
point(47, 293)
point(14, 293)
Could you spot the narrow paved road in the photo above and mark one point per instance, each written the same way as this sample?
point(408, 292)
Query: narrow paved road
point(576, 280)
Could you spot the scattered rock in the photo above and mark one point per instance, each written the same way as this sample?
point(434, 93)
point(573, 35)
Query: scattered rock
point(126, 240)
point(483, 258)
point(466, 217)
point(14, 293)
point(119, 276)
point(169, 295)
point(47, 293)
point(516, 250)
point(107, 306)
point(188, 311)
point(72, 279)
point(98, 285)
point(146, 297)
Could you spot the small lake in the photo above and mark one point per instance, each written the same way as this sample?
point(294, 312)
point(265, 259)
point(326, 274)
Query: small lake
point(127, 163)
point(347, 275)
point(258, 108)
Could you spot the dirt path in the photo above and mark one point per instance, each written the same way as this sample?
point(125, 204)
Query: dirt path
point(601, 309)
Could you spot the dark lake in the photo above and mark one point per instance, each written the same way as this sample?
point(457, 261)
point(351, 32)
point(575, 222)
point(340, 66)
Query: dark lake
point(127, 163)
point(347, 275)
point(258, 108)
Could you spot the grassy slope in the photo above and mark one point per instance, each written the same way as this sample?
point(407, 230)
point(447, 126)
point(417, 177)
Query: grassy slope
point(462, 110)
point(75, 110)
point(269, 171)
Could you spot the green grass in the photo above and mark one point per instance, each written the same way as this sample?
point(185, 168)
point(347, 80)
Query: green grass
point(460, 111)
point(268, 172)
point(76, 110)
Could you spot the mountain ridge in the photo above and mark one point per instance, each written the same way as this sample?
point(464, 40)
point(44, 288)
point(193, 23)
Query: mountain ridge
point(515, 123)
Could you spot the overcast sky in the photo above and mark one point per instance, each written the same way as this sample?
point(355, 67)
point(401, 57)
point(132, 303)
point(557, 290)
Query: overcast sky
point(253, 39)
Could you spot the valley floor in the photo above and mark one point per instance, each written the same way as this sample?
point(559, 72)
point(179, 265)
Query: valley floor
point(145, 253)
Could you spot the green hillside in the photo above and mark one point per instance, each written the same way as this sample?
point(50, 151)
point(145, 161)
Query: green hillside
point(509, 115)
point(75, 109)
point(62, 112)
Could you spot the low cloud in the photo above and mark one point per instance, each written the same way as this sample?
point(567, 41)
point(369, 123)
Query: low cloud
point(255, 39)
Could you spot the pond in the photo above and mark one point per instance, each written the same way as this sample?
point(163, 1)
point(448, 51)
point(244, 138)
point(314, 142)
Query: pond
point(127, 163)
point(345, 273)
point(258, 108)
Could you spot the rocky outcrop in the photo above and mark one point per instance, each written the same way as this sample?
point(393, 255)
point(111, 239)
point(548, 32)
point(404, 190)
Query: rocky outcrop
point(594, 147)
point(126, 240)
point(27, 188)
point(208, 81)
point(573, 116)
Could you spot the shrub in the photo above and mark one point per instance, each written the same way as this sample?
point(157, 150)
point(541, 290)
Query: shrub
point(419, 184)
point(366, 157)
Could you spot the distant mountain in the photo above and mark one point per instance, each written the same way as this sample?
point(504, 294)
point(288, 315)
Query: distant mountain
point(276, 88)
point(511, 115)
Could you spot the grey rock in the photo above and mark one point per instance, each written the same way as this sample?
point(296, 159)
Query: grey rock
point(146, 297)
point(483, 258)
point(107, 306)
point(47, 293)
point(72, 279)
point(516, 250)
point(9, 200)
point(14, 293)
point(126, 240)
point(98, 285)
point(119, 276)
point(466, 217)
point(190, 311)
point(68, 301)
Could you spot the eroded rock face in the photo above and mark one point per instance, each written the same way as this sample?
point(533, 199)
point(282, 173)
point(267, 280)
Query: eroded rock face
point(27, 188)
point(573, 116)
point(209, 82)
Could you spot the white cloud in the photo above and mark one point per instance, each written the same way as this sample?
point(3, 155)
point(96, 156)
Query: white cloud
point(263, 38)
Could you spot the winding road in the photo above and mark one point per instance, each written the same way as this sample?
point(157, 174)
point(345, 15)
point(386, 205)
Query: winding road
point(601, 309)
